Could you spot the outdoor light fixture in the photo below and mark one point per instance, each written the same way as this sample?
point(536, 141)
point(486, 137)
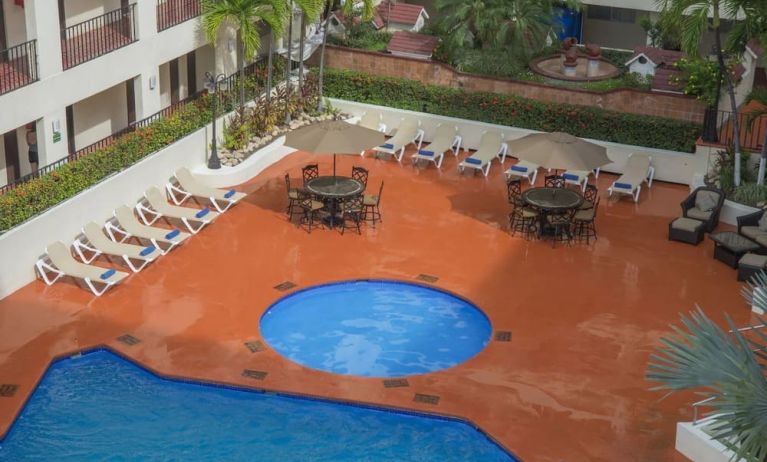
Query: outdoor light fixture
point(152, 82)
point(213, 83)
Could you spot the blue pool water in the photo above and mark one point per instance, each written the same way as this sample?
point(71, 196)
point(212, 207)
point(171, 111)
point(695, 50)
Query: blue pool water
point(375, 328)
point(100, 407)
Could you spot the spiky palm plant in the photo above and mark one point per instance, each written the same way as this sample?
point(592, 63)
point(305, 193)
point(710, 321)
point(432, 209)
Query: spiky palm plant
point(727, 367)
point(244, 15)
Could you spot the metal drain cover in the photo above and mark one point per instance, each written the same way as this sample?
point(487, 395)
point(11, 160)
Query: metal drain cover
point(395, 383)
point(503, 336)
point(255, 375)
point(427, 278)
point(284, 286)
point(7, 390)
point(128, 339)
point(255, 346)
point(426, 399)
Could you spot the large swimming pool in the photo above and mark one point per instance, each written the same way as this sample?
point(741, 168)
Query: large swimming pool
point(100, 407)
point(375, 328)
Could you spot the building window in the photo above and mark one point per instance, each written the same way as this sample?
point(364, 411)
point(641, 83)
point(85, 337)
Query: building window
point(607, 13)
point(599, 12)
point(624, 15)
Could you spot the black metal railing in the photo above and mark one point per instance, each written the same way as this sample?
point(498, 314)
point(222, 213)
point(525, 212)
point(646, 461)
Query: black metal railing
point(752, 130)
point(172, 12)
point(98, 36)
point(102, 143)
point(228, 98)
point(18, 66)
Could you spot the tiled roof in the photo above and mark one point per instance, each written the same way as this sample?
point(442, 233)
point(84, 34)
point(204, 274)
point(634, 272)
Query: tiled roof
point(401, 13)
point(658, 55)
point(412, 43)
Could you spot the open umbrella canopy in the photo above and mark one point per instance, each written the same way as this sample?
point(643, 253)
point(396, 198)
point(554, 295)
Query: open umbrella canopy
point(560, 151)
point(334, 137)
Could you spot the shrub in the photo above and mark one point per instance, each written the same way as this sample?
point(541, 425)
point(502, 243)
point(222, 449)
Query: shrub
point(587, 122)
point(35, 196)
point(363, 36)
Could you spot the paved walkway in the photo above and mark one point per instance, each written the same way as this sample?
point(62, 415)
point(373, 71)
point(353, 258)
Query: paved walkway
point(569, 386)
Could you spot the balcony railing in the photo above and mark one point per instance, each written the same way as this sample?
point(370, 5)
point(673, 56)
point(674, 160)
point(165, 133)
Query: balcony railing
point(102, 143)
point(752, 130)
point(18, 66)
point(98, 36)
point(172, 12)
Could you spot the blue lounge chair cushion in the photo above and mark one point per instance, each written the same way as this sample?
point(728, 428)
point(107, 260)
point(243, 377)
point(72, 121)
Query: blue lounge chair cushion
point(387, 146)
point(147, 250)
point(518, 168)
point(172, 234)
point(202, 212)
point(426, 153)
point(570, 176)
point(229, 193)
point(471, 160)
point(107, 274)
point(624, 185)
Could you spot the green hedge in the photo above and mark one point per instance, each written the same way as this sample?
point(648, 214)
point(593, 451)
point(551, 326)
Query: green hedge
point(35, 196)
point(582, 121)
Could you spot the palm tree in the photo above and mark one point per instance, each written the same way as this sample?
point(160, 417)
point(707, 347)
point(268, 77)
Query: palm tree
point(754, 120)
point(729, 369)
point(309, 10)
point(243, 15)
point(523, 25)
point(694, 18)
point(348, 10)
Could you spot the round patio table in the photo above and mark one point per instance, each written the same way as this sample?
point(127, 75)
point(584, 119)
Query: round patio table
point(334, 188)
point(551, 201)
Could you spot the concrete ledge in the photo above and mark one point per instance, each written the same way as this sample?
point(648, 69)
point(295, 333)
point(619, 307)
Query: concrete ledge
point(249, 168)
point(732, 210)
point(698, 446)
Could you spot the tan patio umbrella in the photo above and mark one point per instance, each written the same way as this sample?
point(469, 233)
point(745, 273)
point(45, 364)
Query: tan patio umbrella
point(334, 137)
point(560, 151)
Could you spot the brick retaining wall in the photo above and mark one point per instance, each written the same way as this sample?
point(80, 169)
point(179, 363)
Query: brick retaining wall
point(430, 72)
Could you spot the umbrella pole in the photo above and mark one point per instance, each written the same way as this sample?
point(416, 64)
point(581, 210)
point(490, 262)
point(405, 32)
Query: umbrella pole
point(334, 167)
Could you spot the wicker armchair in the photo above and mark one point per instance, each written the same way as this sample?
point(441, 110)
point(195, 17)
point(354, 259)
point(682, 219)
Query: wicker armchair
point(691, 207)
point(748, 226)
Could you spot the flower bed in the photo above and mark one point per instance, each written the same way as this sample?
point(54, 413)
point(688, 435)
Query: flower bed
point(586, 122)
point(39, 194)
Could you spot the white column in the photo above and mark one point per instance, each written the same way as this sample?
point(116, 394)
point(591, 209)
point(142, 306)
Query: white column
point(146, 18)
point(43, 25)
point(147, 91)
point(52, 137)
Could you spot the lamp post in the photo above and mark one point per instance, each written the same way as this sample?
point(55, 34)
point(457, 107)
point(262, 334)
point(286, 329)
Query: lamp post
point(212, 84)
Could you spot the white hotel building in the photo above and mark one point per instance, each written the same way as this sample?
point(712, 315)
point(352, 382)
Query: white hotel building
point(81, 70)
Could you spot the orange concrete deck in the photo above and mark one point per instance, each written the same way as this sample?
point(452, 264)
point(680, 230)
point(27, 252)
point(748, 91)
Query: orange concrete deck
point(569, 386)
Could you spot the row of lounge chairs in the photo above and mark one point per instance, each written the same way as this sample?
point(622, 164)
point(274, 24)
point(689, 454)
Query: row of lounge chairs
point(112, 240)
point(638, 170)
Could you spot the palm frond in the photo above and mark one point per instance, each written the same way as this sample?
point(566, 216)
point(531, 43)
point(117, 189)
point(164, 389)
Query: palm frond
point(702, 355)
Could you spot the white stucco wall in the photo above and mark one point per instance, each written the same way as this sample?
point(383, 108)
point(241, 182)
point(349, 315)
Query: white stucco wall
point(646, 69)
point(22, 245)
point(100, 115)
point(82, 10)
point(15, 26)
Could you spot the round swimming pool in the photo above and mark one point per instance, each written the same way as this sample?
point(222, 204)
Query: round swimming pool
point(375, 328)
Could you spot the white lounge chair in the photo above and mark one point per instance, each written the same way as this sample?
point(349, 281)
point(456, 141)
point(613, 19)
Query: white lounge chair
point(638, 170)
point(408, 132)
point(94, 242)
point(445, 139)
point(491, 146)
point(579, 178)
point(58, 262)
point(125, 226)
point(523, 169)
point(156, 207)
point(373, 121)
point(186, 186)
